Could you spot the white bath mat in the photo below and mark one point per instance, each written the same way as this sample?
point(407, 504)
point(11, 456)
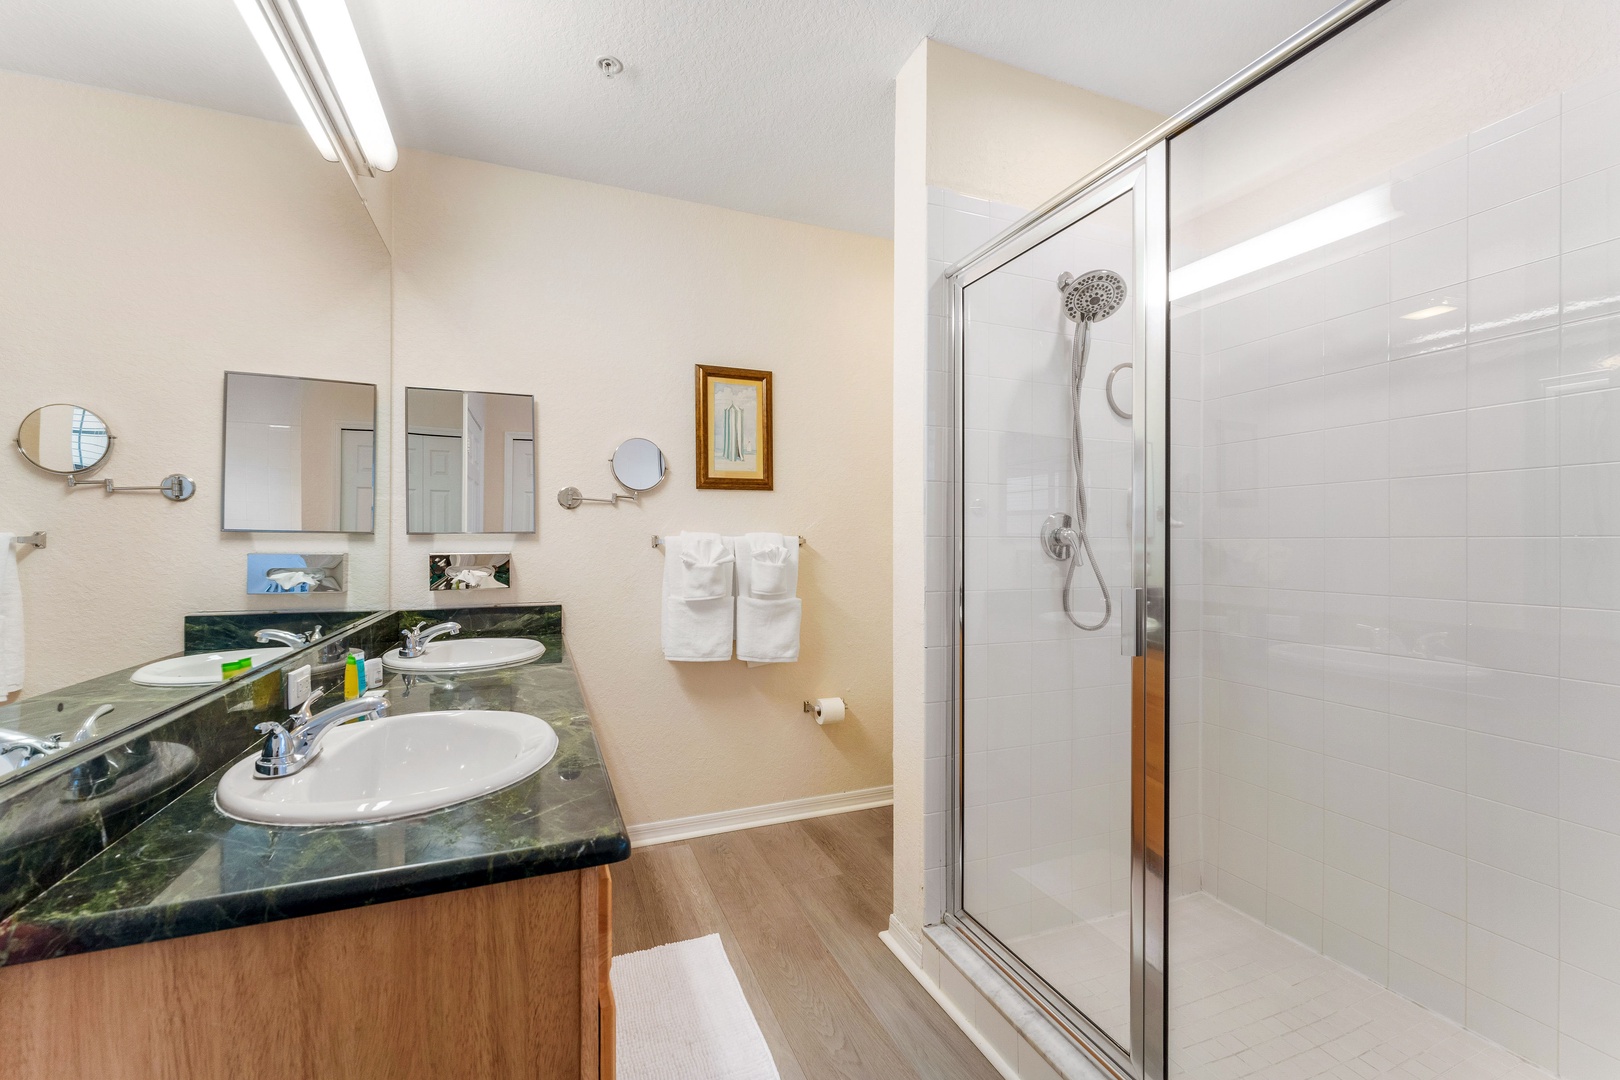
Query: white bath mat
point(682, 1016)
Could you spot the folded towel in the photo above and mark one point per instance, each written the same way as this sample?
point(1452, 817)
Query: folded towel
point(11, 619)
point(767, 565)
point(699, 611)
point(768, 613)
point(703, 563)
point(768, 630)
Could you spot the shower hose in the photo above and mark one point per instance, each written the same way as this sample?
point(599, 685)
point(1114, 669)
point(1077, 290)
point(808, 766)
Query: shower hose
point(1080, 537)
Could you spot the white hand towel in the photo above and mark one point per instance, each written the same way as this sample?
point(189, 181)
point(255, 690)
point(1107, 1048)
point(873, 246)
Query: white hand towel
point(699, 611)
point(11, 619)
point(768, 612)
point(768, 630)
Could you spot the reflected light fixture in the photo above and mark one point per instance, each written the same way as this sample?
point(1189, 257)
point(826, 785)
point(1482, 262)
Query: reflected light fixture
point(1330, 224)
point(1429, 312)
point(313, 51)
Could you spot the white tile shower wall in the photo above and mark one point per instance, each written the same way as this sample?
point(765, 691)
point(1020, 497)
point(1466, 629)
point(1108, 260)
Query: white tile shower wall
point(1047, 707)
point(1411, 588)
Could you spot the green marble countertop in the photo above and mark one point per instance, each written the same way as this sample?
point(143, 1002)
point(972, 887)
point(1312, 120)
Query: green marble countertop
point(189, 869)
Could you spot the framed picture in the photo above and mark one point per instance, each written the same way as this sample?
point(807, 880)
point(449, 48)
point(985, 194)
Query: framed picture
point(734, 443)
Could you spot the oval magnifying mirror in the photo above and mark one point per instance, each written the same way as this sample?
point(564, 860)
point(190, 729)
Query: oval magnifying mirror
point(66, 439)
point(639, 465)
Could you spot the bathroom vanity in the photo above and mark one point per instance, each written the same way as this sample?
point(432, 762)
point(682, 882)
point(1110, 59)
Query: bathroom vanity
point(472, 941)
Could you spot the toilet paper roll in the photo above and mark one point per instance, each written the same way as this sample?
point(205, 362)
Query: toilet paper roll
point(829, 710)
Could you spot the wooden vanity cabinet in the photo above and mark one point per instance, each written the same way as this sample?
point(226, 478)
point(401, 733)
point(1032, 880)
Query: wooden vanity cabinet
point(488, 983)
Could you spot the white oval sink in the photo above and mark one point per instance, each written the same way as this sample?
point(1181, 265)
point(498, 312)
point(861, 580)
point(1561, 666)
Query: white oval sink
point(393, 767)
point(201, 669)
point(449, 655)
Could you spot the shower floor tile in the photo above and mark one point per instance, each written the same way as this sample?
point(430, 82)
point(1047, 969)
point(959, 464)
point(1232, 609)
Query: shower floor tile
point(1247, 1003)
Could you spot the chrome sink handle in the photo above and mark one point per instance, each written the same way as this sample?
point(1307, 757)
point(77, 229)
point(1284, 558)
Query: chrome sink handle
point(277, 744)
point(287, 751)
point(307, 709)
point(87, 730)
point(417, 638)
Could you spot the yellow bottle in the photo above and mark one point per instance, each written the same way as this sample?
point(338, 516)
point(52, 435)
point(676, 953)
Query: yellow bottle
point(351, 679)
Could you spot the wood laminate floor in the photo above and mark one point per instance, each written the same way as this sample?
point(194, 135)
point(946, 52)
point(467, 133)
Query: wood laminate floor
point(799, 907)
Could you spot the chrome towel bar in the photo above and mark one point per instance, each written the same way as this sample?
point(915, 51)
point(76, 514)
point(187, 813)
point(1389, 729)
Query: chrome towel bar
point(658, 541)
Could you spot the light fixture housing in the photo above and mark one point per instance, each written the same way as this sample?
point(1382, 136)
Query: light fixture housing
point(315, 54)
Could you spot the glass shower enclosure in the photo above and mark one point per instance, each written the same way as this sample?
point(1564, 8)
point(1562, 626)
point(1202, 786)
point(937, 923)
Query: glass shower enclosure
point(1060, 643)
point(1286, 540)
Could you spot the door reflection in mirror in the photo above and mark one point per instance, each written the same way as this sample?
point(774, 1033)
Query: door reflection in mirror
point(469, 462)
point(299, 454)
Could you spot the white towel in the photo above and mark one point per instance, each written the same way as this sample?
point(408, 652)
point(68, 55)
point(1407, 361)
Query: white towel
point(699, 611)
point(768, 612)
point(11, 619)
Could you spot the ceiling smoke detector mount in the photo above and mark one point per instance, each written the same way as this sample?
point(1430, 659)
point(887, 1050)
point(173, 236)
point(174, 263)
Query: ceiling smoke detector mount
point(609, 65)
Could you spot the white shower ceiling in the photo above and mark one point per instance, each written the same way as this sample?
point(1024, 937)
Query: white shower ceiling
point(779, 107)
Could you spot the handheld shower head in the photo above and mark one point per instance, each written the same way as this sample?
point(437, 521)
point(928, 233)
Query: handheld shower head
point(1093, 296)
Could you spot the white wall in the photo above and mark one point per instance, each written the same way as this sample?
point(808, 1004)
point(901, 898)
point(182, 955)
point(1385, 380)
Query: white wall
point(599, 301)
point(149, 247)
point(917, 780)
point(1006, 135)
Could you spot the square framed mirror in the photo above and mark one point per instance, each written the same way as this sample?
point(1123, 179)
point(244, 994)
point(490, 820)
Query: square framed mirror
point(470, 462)
point(300, 454)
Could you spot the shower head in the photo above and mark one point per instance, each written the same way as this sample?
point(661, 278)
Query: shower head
point(1093, 296)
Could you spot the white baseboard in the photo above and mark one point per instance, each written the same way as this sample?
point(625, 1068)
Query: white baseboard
point(751, 817)
point(902, 936)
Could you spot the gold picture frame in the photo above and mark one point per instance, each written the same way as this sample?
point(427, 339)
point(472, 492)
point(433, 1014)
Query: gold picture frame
point(735, 445)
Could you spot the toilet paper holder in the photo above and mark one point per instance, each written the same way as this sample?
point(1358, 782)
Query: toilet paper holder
point(827, 710)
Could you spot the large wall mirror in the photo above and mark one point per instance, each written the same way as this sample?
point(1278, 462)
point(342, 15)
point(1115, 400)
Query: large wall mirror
point(469, 462)
point(150, 247)
point(300, 454)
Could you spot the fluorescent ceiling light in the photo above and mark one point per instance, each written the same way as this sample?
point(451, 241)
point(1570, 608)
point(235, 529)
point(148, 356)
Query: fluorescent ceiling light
point(1354, 215)
point(315, 54)
point(339, 46)
point(271, 47)
point(1429, 312)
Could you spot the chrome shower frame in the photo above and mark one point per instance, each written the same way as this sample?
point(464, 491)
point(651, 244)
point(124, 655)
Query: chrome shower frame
point(1140, 613)
point(1142, 169)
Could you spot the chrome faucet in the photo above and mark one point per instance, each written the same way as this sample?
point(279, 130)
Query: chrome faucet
point(288, 751)
point(33, 746)
point(416, 638)
point(287, 637)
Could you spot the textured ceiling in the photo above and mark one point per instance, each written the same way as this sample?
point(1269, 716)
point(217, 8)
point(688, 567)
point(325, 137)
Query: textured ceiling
point(770, 106)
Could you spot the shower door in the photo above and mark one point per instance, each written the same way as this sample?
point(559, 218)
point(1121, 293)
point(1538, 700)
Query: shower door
point(1060, 677)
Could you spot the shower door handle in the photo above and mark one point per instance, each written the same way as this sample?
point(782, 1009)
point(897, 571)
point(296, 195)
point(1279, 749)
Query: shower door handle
point(1132, 621)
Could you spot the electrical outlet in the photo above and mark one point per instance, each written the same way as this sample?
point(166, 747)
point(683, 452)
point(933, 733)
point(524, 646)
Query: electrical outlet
point(298, 684)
